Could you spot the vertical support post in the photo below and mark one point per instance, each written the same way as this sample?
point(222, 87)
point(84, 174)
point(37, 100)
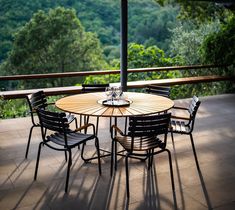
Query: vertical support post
point(124, 43)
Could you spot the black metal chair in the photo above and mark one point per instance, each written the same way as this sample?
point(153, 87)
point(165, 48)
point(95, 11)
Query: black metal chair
point(142, 141)
point(63, 138)
point(184, 125)
point(39, 100)
point(158, 90)
point(90, 88)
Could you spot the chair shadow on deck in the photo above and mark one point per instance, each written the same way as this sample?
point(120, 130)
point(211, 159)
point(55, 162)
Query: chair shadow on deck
point(185, 126)
point(154, 199)
point(22, 166)
point(87, 189)
point(203, 185)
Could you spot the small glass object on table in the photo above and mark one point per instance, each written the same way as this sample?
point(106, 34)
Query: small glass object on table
point(109, 92)
point(118, 92)
point(114, 97)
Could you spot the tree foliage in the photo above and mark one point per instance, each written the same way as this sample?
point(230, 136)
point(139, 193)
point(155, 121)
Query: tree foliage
point(14, 14)
point(147, 21)
point(187, 39)
point(200, 11)
point(220, 47)
point(54, 41)
point(150, 23)
point(139, 56)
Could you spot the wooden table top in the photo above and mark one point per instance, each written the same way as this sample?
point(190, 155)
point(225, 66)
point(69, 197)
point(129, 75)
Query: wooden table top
point(89, 104)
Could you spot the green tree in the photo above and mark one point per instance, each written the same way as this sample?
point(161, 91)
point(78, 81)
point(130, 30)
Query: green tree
point(151, 23)
point(139, 56)
point(54, 41)
point(147, 20)
point(219, 47)
point(199, 11)
point(187, 39)
point(14, 14)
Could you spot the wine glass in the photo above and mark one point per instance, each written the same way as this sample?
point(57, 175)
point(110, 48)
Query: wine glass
point(108, 92)
point(114, 93)
point(119, 92)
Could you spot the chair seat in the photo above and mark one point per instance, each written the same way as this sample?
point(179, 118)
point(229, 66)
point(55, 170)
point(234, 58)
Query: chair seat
point(140, 144)
point(178, 126)
point(73, 139)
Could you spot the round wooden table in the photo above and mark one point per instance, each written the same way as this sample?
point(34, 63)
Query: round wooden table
point(90, 104)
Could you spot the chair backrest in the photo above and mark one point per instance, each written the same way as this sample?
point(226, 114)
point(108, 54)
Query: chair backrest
point(88, 88)
point(53, 121)
point(192, 109)
point(158, 90)
point(149, 126)
point(35, 101)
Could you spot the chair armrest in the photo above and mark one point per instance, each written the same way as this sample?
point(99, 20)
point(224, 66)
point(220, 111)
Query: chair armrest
point(179, 117)
point(179, 107)
point(51, 103)
point(113, 129)
point(85, 127)
point(176, 115)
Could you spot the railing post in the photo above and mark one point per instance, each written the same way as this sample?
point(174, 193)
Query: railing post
point(124, 43)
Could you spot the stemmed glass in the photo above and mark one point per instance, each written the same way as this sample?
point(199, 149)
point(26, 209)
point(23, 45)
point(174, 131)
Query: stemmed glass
point(108, 92)
point(119, 92)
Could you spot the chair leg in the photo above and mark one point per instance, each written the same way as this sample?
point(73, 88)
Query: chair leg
point(98, 153)
point(115, 155)
point(29, 140)
point(97, 126)
point(82, 156)
point(150, 158)
point(68, 170)
point(172, 137)
point(37, 163)
point(171, 170)
point(127, 177)
point(194, 149)
point(125, 125)
point(76, 122)
point(86, 121)
point(110, 123)
point(65, 154)
point(80, 120)
point(112, 154)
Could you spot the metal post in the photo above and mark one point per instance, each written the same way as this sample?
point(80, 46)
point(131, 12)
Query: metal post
point(124, 43)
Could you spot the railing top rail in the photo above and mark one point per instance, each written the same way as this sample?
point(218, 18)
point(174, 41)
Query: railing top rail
point(103, 72)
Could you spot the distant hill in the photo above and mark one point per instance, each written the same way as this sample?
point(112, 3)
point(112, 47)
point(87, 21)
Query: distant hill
point(148, 22)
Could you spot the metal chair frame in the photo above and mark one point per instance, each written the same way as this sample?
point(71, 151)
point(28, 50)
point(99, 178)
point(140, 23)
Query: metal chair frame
point(141, 141)
point(185, 125)
point(63, 138)
point(35, 101)
point(90, 88)
point(158, 90)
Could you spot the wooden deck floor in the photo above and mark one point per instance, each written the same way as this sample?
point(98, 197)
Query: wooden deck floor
point(212, 186)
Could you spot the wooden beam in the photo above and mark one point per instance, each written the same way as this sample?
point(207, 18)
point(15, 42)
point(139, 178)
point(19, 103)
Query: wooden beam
point(136, 84)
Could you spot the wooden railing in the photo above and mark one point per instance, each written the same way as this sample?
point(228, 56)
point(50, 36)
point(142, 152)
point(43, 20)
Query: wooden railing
point(13, 94)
